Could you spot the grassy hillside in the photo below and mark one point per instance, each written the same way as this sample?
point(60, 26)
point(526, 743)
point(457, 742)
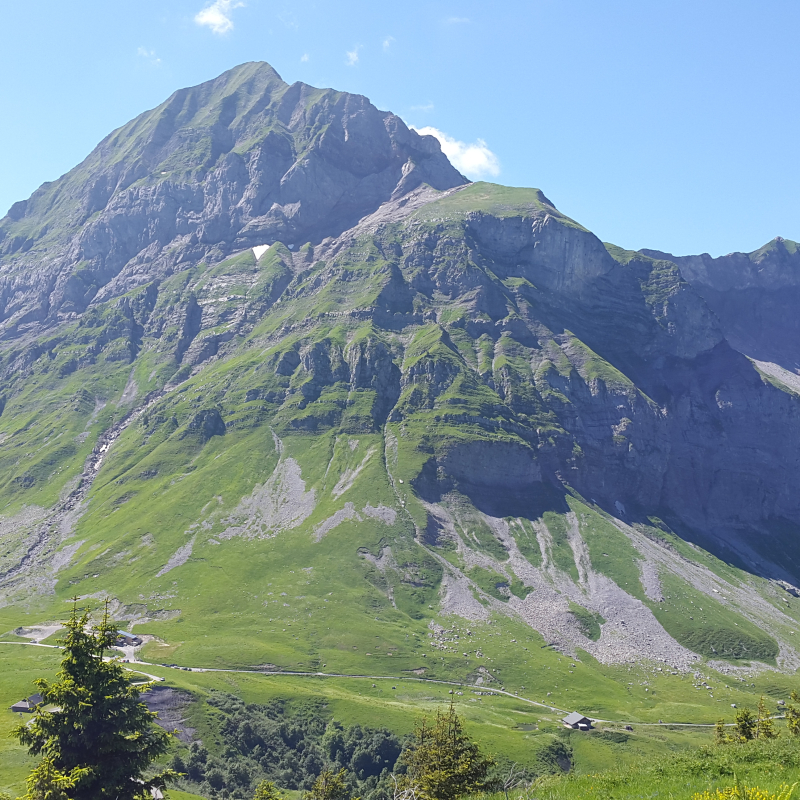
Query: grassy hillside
point(380, 460)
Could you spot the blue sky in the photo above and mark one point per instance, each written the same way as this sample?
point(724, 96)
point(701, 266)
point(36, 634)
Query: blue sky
point(665, 125)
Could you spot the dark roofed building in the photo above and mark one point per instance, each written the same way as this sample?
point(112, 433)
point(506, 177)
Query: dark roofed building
point(126, 639)
point(28, 706)
point(577, 722)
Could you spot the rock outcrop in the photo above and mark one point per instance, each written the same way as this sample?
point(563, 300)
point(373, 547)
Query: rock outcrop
point(239, 161)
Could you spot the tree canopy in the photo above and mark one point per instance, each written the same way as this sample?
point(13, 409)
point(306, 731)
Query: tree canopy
point(443, 763)
point(97, 739)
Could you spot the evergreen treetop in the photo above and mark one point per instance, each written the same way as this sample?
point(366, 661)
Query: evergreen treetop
point(100, 738)
point(443, 763)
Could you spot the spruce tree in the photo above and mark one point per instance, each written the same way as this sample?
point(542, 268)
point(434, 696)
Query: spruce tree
point(746, 725)
point(766, 726)
point(793, 715)
point(330, 785)
point(100, 738)
point(443, 762)
point(266, 790)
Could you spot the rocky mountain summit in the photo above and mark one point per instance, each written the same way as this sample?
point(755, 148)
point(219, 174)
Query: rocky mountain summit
point(238, 161)
point(268, 328)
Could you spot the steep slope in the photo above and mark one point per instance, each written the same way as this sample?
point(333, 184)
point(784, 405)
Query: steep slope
point(423, 400)
point(241, 160)
point(755, 296)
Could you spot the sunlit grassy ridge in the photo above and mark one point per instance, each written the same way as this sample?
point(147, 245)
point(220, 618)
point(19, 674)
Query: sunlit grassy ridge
point(771, 766)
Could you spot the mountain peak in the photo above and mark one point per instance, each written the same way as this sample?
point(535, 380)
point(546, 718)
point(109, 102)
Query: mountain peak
point(240, 160)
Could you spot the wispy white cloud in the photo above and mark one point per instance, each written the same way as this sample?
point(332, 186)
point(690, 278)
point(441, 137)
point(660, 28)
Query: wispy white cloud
point(426, 107)
point(352, 56)
point(304, 57)
point(217, 16)
point(149, 55)
point(387, 42)
point(475, 160)
point(457, 21)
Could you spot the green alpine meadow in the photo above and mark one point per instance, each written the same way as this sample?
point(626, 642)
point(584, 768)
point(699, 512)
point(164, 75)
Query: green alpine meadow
point(346, 439)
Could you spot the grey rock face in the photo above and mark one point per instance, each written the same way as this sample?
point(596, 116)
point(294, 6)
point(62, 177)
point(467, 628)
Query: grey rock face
point(541, 249)
point(239, 161)
point(208, 423)
point(755, 297)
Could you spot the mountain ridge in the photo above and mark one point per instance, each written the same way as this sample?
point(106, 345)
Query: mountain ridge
point(163, 179)
point(432, 398)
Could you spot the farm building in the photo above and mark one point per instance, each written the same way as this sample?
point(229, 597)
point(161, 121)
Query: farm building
point(125, 639)
point(577, 721)
point(27, 706)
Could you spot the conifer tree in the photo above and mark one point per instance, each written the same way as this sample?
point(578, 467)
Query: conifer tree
point(720, 734)
point(746, 725)
point(765, 728)
point(100, 738)
point(793, 715)
point(443, 762)
point(330, 785)
point(266, 790)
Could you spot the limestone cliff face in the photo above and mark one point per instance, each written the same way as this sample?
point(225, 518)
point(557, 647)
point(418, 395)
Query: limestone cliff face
point(239, 161)
point(541, 249)
point(502, 350)
point(754, 295)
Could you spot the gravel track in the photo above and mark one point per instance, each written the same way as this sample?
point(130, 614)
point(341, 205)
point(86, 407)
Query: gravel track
point(405, 678)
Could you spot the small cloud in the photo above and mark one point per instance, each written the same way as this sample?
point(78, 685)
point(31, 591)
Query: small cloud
point(149, 55)
point(457, 21)
point(217, 16)
point(352, 56)
point(387, 42)
point(426, 107)
point(304, 57)
point(475, 160)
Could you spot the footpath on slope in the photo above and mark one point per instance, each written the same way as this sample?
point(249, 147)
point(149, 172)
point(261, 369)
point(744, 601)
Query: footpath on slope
point(485, 689)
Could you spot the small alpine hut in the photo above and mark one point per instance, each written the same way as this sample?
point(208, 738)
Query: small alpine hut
point(27, 706)
point(577, 722)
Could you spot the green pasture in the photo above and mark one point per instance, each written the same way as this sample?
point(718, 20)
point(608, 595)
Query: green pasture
point(508, 727)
